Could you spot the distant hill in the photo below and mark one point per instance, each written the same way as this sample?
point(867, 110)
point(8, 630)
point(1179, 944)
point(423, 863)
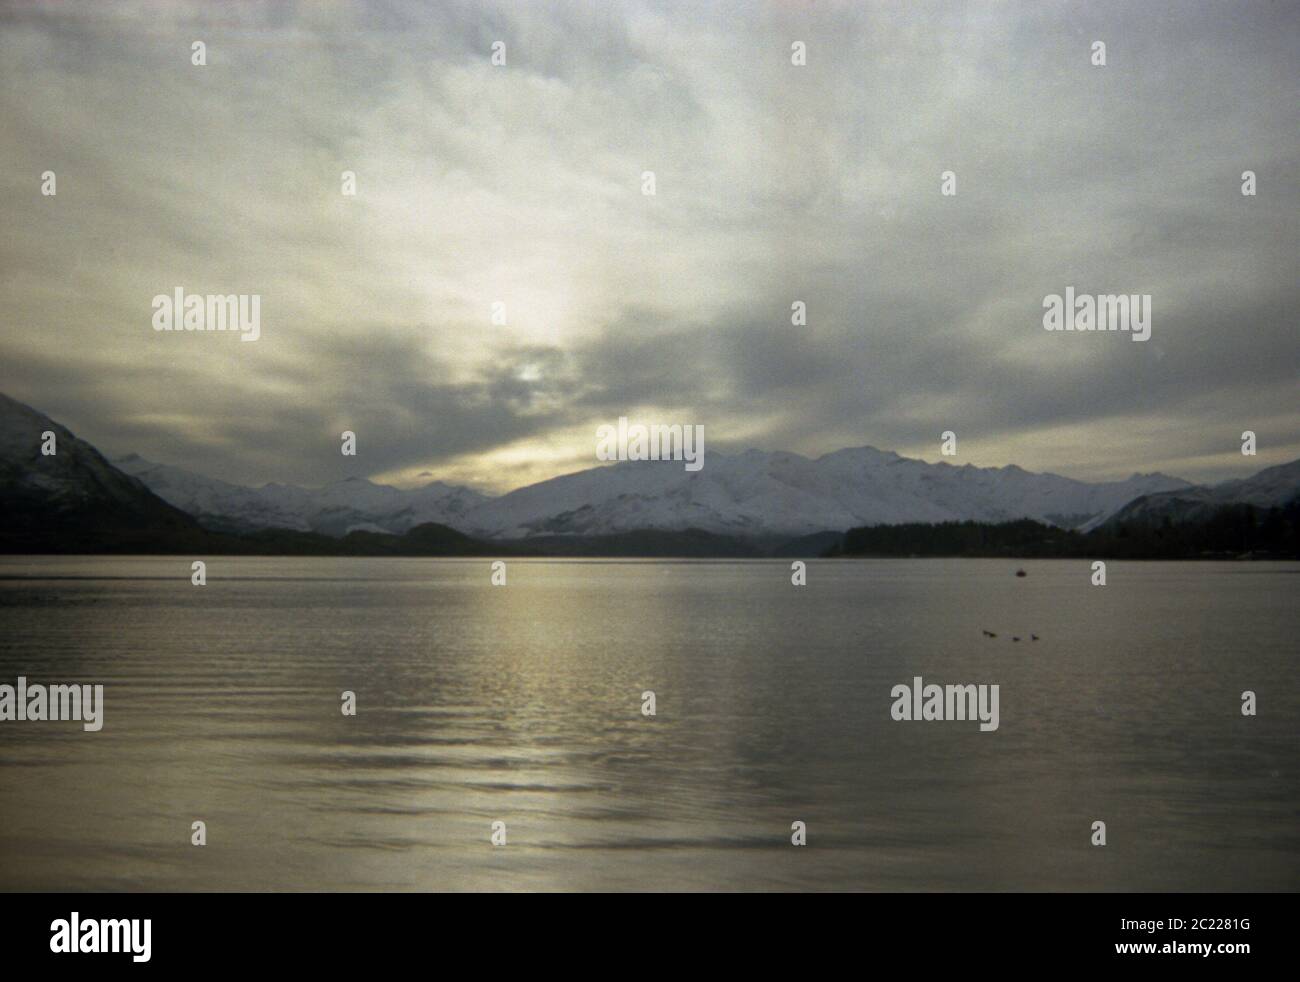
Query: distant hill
point(1227, 532)
point(1274, 487)
point(749, 505)
point(753, 495)
point(75, 500)
point(336, 509)
point(758, 494)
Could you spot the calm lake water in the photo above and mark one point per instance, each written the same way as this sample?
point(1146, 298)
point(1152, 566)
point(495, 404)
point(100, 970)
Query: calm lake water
point(522, 704)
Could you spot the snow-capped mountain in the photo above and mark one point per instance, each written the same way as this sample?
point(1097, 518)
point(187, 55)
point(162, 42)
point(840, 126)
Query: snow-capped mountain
point(749, 494)
point(758, 493)
point(336, 509)
point(72, 498)
point(1273, 487)
point(76, 500)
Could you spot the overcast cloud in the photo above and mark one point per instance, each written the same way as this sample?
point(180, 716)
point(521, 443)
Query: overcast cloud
point(775, 183)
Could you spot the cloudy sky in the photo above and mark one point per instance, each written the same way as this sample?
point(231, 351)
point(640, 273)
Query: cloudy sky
point(774, 182)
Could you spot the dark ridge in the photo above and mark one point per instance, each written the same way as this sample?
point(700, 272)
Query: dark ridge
point(1229, 532)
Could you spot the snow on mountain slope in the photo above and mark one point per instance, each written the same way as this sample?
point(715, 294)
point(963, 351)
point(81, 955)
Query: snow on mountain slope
point(1273, 487)
point(335, 509)
point(783, 493)
point(73, 494)
point(752, 493)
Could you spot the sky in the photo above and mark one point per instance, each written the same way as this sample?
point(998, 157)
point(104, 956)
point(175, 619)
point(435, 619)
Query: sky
point(522, 184)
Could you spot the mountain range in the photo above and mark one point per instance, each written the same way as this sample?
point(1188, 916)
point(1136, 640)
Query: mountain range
point(1273, 487)
point(752, 494)
point(354, 504)
point(770, 497)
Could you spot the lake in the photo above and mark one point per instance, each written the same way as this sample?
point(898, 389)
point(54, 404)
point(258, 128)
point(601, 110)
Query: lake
point(522, 704)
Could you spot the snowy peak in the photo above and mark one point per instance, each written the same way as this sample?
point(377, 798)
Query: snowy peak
point(758, 493)
point(1273, 487)
point(750, 494)
point(70, 496)
point(74, 473)
point(353, 503)
point(754, 493)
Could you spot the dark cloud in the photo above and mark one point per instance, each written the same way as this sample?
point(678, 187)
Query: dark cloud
point(522, 185)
